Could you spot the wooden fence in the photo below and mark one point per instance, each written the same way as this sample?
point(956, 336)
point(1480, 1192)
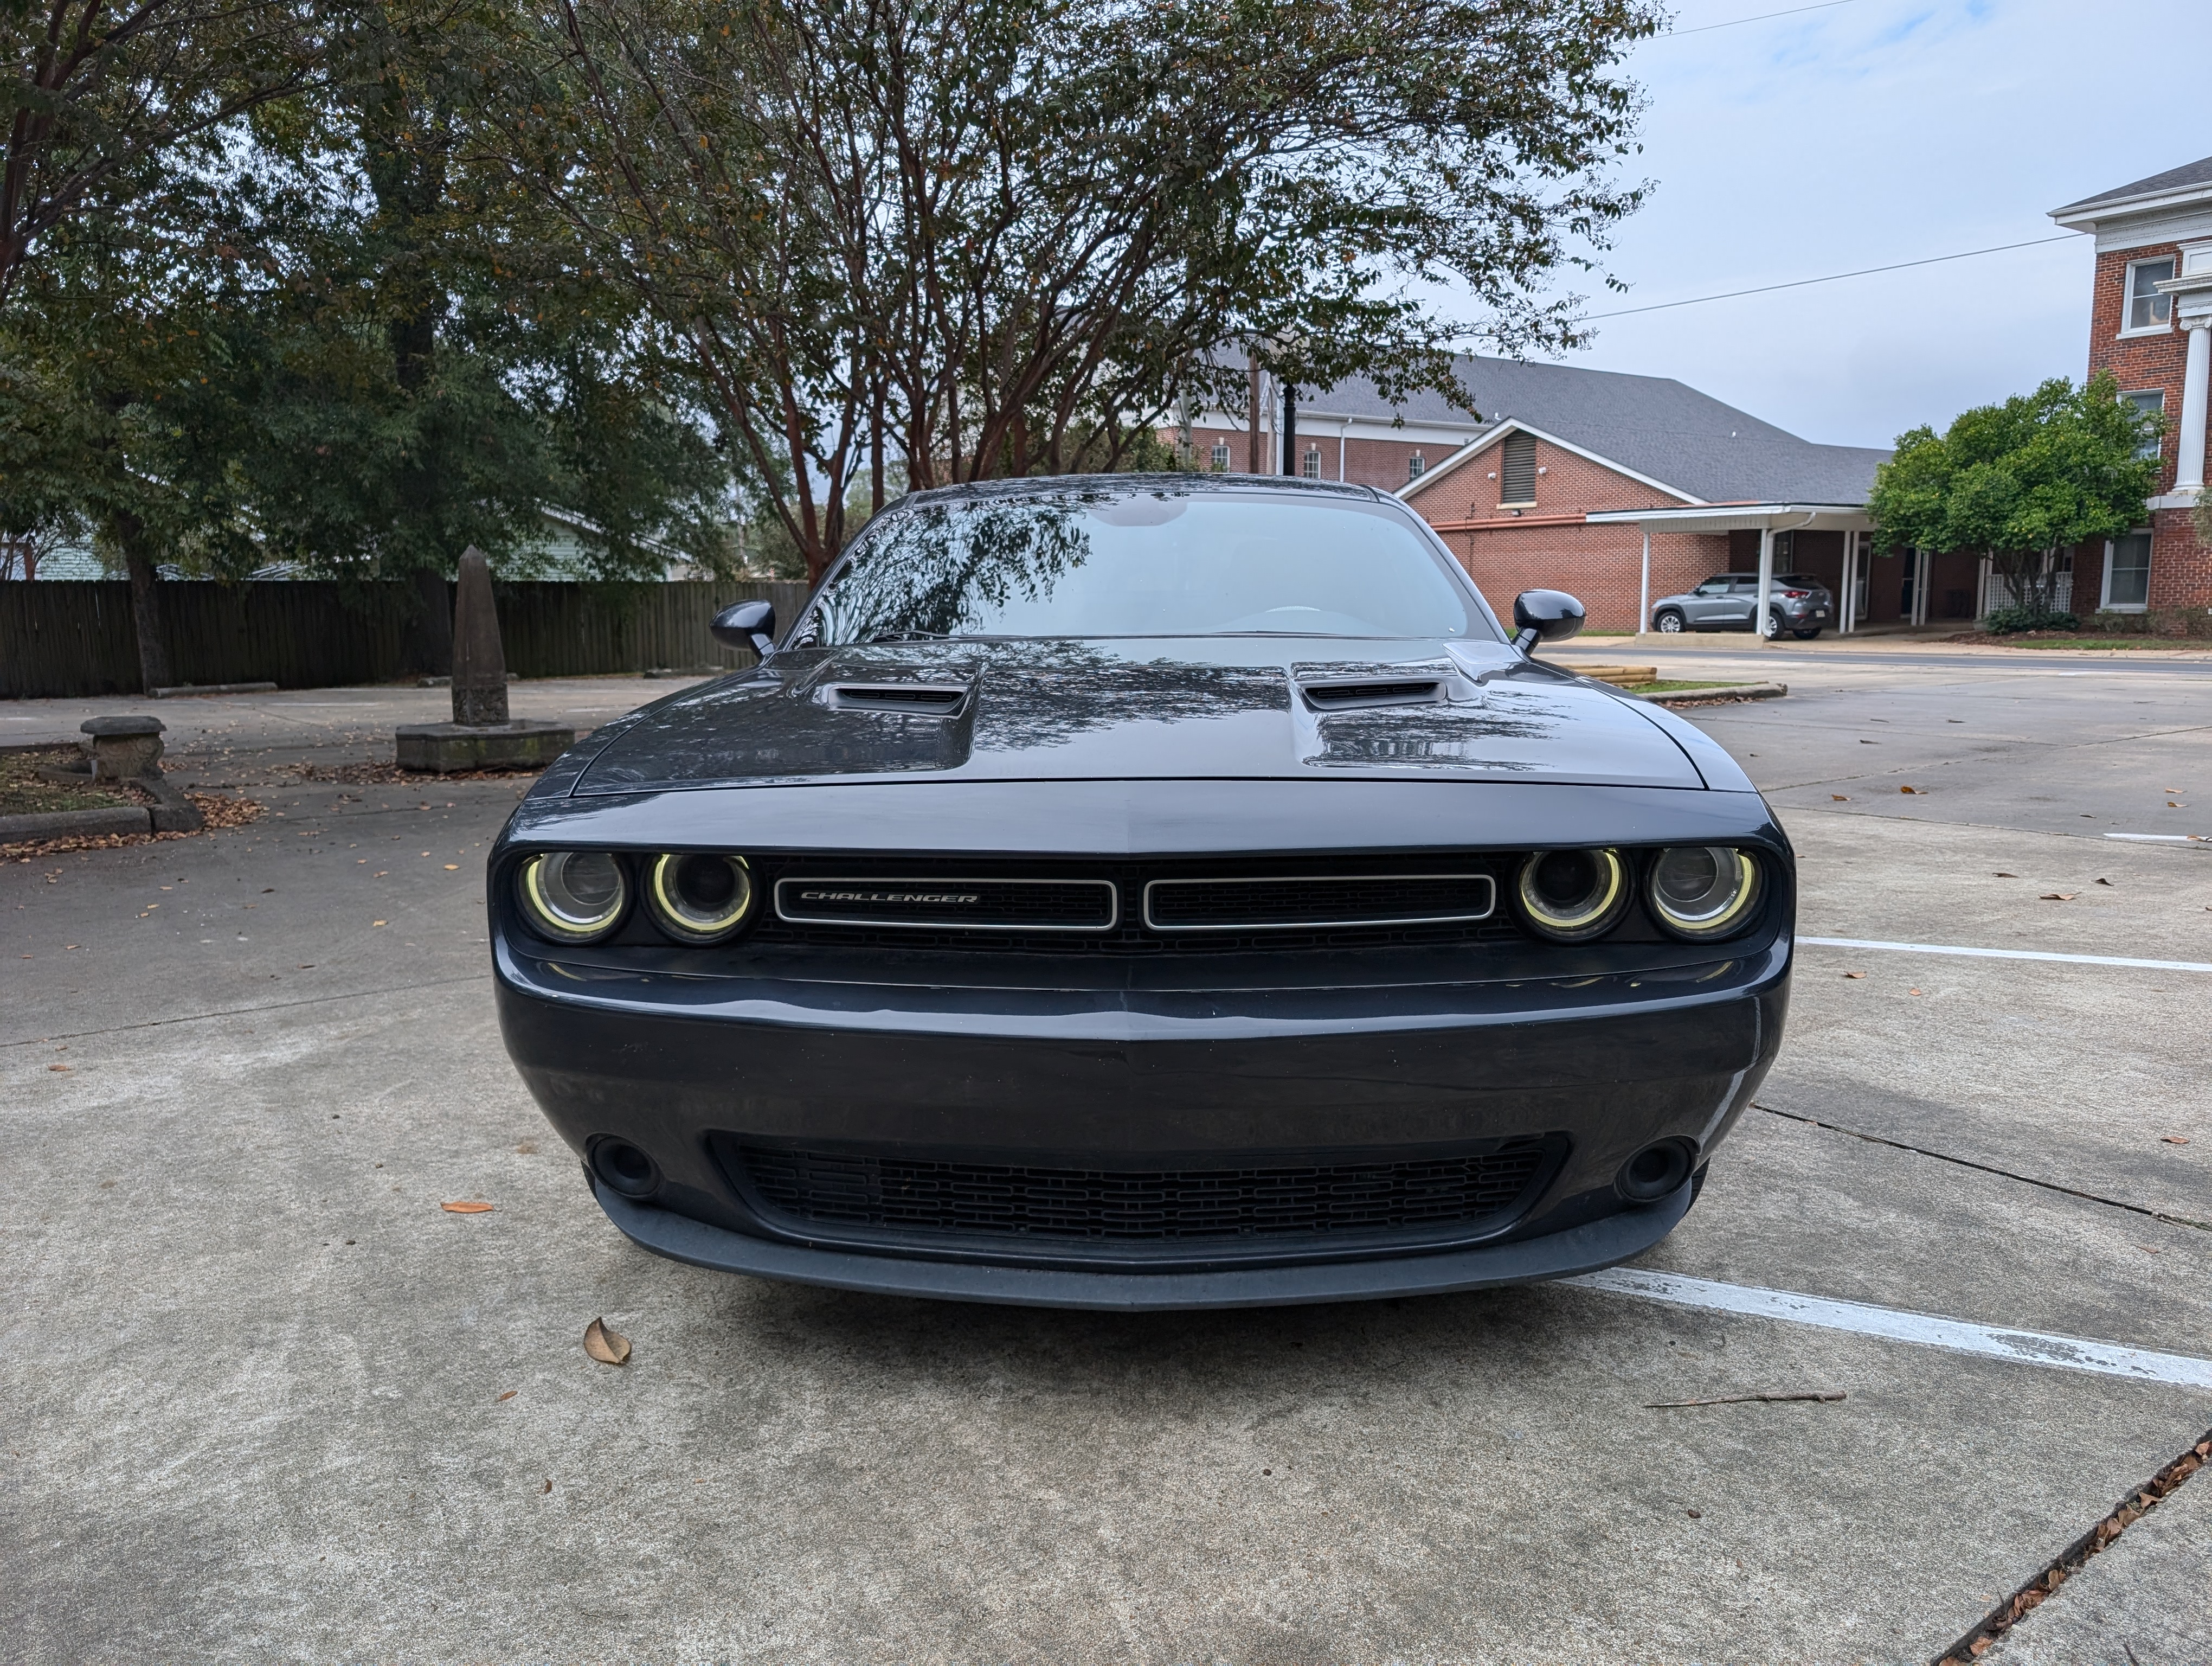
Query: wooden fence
point(66, 638)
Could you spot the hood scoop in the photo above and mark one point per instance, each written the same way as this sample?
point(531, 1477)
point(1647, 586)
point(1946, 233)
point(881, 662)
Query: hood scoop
point(1355, 693)
point(912, 699)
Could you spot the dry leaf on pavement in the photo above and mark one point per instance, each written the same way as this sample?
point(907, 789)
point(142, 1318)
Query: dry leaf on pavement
point(509, 1394)
point(1839, 798)
point(608, 1347)
point(2175, 1139)
point(1908, 790)
point(1854, 974)
point(2107, 882)
point(2059, 895)
point(466, 1206)
point(2001, 874)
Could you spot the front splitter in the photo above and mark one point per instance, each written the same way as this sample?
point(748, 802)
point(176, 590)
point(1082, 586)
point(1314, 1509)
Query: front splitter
point(1555, 1255)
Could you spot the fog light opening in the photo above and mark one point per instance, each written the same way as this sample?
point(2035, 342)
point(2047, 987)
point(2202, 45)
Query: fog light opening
point(1656, 1172)
point(623, 1168)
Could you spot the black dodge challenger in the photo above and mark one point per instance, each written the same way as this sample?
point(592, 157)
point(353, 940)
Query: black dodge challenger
point(1145, 892)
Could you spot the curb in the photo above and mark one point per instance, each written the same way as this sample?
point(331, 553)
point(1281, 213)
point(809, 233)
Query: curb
point(74, 823)
point(1718, 696)
point(184, 689)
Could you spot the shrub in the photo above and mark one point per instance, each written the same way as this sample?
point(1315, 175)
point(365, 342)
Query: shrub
point(2008, 621)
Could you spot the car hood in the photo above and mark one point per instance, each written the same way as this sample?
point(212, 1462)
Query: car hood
point(1214, 707)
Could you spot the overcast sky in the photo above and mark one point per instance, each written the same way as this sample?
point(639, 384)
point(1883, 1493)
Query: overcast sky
point(1882, 130)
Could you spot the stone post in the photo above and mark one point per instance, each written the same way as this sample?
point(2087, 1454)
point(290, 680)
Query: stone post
point(479, 663)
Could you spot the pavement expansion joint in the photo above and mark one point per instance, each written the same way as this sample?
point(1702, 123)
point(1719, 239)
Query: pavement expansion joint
point(245, 1011)
point(2139, 1502)
point(1986, 1168)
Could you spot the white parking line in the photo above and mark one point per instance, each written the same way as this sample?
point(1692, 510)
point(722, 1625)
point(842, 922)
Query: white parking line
point(2159, 838)
point(2012, 954)
point(2026, 1348)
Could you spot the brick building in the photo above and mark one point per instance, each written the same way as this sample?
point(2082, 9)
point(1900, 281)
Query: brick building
point(1569, 478)
point(2150, 325)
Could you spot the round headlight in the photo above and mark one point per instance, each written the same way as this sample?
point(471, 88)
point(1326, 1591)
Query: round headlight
point(573, 896)
point(1572, 895)
point(1705, 890)
point(699, 898)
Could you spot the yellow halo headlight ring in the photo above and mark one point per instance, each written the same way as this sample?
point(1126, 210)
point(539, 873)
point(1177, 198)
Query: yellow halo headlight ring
point(1573, 895)
point(699, 897)
point(573, 896)
point(1704, 892)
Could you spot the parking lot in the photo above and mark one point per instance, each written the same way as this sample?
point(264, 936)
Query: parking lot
point(265, 1400)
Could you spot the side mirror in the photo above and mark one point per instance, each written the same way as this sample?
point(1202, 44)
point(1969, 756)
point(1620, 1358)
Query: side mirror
point(1545, 616)
point(746, 625)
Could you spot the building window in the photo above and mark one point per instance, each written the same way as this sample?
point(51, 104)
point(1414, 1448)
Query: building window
point(1221, 457)
point(1415, 467)
point(2147, 308)
point(1517, 469)
point(2127, 574)
point(2151, 402)
point(1310, 466)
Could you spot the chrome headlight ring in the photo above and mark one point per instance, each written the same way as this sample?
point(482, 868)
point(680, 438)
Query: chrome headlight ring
point(699, 897)
point(1705, 892)
point(573, 896)
point(1573, 895)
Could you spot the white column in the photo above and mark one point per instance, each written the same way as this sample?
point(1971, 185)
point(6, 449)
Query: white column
point(2188, 471)
point(1766, 582)
point(1851, 584)
point(1644, 597)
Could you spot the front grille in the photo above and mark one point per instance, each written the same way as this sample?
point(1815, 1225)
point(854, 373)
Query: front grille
point(954, 903)
point(1342, 1197)
point(1318, 902)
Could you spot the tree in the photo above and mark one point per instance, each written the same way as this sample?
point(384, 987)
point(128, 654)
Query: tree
point(92, 94)
point(1005, 236)
point(2020, 482)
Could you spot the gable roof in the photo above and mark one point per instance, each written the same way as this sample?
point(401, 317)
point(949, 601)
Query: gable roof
point(1481, 447)
point(2190, 178)
point(1653, 427)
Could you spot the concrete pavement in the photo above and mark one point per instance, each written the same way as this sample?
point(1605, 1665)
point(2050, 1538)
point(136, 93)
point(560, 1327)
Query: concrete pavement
point(264, 1399)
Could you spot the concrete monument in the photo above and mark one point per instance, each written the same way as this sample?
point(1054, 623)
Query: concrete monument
point(481, 736)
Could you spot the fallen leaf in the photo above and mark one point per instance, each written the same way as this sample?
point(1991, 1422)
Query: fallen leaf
point(466, 1207)
point(2175, 1139)
point(453, 868)
point(1839, 798)
point(608, 1347)
point(2107, 882)
point(548, 1487)
point(509, 1394)
point(1869, 743)
point(376, 922)
point(2000, 875)
point(2058, 896)
point(57, 1066)
point(1908, 790)
point(1854, 974)
point(2170, 804)
point(1912, 991)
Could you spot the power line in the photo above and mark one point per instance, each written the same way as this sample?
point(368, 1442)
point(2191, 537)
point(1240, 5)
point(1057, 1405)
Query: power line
point(1823, 5)
point(1833, 277)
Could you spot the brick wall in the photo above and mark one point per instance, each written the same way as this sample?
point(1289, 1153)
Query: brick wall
point(1547, 548)
point(1378, 462)
point(2180, 567)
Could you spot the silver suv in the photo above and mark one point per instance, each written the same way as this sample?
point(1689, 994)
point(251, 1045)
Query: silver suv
point(1796, 603)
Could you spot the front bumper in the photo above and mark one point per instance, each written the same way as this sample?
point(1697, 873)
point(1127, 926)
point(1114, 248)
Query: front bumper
point(1599, 1063)
point(1603, 1242)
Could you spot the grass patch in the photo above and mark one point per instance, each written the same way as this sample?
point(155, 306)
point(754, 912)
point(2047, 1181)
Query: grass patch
point(1671, 685)
point(23, 793)
point(2113, 643)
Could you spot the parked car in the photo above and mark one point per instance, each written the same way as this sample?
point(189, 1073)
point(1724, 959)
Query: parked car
point(1145, 892)
point(1796, 602)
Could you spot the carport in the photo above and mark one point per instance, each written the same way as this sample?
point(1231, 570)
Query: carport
point(1768, 521)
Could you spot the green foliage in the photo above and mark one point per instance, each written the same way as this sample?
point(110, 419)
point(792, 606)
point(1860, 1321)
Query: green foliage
point(2020, 481)
point(2011, 621)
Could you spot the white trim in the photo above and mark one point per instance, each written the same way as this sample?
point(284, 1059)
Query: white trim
point(1515, 425)
point(2105, 602)
point(2128, 331)
point(2022, 1348)
point(1740, 517)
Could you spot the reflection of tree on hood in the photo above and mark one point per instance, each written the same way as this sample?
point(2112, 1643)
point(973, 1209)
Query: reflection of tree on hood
point(934, 571)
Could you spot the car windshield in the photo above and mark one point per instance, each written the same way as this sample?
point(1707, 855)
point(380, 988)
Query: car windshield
point(1157, 562)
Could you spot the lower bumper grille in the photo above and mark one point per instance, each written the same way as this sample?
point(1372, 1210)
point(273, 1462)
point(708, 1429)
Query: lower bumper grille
point(1281, 1199)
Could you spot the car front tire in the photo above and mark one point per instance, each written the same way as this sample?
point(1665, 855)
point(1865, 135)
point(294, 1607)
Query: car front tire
point(1669, 623)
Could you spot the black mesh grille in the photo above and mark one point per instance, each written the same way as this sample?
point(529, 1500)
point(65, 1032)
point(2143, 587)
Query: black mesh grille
point(1346, 694)
point(914, 1194)
point(1221, 904)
